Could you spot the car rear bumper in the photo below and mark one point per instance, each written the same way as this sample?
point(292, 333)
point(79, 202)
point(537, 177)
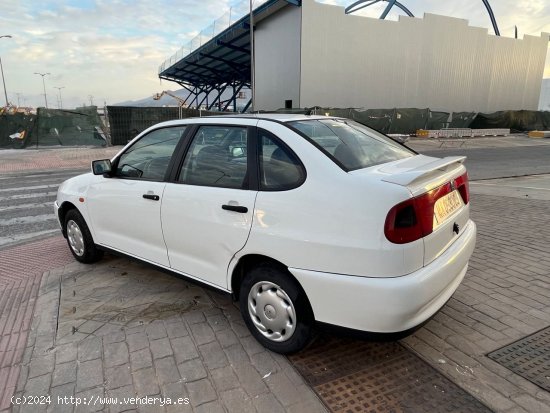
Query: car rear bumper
point(389, 305)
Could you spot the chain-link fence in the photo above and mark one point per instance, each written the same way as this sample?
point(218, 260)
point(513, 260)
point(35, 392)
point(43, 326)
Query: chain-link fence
point(127, 121)
point(52, 127)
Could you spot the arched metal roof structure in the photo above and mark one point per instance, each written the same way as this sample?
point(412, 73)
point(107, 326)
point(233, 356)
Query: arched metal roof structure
point(361, 4)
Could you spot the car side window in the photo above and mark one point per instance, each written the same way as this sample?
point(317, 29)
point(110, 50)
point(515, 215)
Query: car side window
point(149, 157)
point(217, 157)
point(280, 168)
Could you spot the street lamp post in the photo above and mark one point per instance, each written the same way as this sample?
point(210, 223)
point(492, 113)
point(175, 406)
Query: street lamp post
point(60, 100)
point(252, 66)
point(44, 86)
point(2, 70)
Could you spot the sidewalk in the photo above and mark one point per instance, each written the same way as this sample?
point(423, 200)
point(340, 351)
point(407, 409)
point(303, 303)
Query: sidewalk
point(516, 140)
point(126, 329)
point(15, 160)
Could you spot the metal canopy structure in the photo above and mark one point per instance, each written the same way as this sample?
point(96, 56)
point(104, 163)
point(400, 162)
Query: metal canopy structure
point(222, 63)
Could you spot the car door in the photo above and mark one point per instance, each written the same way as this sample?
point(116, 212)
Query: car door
point(207, 210)
point(125, 208)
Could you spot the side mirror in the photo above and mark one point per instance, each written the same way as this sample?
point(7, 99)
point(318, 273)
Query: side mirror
point(101, 167)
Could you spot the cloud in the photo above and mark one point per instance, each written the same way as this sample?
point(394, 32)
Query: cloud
point(112, 48)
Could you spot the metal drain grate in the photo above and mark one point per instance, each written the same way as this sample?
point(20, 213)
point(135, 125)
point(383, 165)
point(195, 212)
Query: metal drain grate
point(528, 358)
point(356, 376)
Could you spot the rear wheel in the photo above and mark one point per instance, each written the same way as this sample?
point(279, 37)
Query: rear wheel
point(80, 239)
point(275, 309)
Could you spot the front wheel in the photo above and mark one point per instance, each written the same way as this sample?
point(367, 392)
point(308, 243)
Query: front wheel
point(275, 309)
point(80, 239)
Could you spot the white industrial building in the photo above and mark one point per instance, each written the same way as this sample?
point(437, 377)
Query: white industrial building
point(313, 54)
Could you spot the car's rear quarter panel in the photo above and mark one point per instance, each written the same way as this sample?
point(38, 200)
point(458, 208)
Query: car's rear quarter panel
point(334, 222)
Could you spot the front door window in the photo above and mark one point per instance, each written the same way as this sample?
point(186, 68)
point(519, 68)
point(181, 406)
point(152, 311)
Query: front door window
point(149, 157)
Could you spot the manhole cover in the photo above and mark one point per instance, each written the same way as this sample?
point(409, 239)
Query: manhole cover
point(528, 358)
point(358, 376)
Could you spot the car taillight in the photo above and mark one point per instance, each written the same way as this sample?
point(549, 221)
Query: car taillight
point(463, 186)
point(414, 218)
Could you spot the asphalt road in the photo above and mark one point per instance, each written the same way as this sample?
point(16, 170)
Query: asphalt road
point(488, 163)
point(26, 198)
point(26, 205)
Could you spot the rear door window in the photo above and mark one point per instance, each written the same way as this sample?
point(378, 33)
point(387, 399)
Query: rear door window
point(217, 157)
point(350, 144)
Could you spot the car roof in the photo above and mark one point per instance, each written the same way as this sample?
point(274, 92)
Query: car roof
point(279, 117)
point(275, 117)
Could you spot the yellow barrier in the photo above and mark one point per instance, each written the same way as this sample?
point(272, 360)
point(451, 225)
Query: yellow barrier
point(539, 134)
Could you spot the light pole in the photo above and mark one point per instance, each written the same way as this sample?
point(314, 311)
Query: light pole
point(2, 70)
point(252, 67)
point(60, 100)
point(44, 86)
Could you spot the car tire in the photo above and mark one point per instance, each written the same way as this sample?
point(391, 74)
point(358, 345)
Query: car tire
point(80, 239)
point(272, 303)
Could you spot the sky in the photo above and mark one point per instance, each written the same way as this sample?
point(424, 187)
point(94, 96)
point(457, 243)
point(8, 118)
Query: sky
point(109, 51)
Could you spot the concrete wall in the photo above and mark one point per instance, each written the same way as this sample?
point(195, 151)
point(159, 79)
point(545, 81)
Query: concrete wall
point(277, 48)
point(436, 61)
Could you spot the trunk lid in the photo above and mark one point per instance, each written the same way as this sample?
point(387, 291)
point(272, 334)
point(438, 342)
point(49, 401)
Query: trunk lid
point(442, 178)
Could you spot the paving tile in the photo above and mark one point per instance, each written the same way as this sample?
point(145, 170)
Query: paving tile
point(211, 407)
point(224, 378)
point(213, 355)
point(137, 341)
point(141, 359)
point(267, 403)
point(200, 392)
point(192, 370)
point(92, 400)
point(64, 373)
point(145, 382)
point(118, 376)
point(184, 348)
point(202, 333)
point(89, 374)
point(65, 353)
point(176, 329)
point(38, 386)
point(227, 338)
point(41, 365)
point(156, 330)
point(250, 380)
point(89, 349)
point(115, 354)
point(61, 398)
point(161, 348)
point(167, 371)
point(236, 400)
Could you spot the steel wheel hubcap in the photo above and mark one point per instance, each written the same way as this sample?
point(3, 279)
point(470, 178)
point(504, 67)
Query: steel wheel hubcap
point(76, 240)
point(272, 311)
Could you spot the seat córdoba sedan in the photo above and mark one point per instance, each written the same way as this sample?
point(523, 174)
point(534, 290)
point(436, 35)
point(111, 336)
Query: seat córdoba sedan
point(304, 220)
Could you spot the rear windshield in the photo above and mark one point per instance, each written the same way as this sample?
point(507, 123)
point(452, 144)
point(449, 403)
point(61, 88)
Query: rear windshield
point(353, 145)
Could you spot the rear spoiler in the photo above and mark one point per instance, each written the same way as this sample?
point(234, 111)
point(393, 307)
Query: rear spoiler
point(423, 172)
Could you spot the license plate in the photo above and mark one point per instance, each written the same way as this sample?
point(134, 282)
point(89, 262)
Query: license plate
point(446, 206)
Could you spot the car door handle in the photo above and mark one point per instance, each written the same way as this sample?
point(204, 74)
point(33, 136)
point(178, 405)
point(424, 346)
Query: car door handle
point(236, 208)
point(151, 196)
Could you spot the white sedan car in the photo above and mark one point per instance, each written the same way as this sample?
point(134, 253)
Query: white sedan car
point(303, 219)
